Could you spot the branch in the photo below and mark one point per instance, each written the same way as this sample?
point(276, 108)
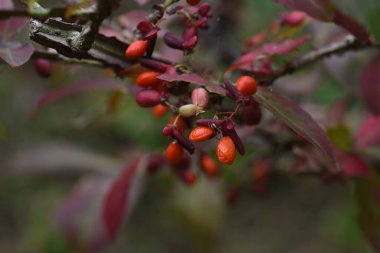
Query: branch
point(348, 44)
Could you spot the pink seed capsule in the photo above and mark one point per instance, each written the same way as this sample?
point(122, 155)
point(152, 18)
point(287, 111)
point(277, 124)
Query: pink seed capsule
point(190, 43)
point(43, 67)
point(189, 32)
point(148, 98)
point(204, 9)
point(200, 98)
point(294, 18)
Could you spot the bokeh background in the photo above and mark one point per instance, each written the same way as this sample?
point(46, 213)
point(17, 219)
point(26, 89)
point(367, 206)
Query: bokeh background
point(71, 146)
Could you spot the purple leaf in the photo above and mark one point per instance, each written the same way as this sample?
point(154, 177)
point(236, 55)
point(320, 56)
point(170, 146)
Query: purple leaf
point(284, 47)
point(368, 133)
point(370, 85)
point(80, 87)
point(11, 26)
point(79, 218)
point(6, 5)
point(117, 199)
point(325, 10)
point(131, 19)
point(300, 121)
point(15, 54)
point(190, 78)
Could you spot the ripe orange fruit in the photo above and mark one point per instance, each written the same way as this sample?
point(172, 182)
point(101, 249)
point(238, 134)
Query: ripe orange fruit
point(148, 79)
point(159, 110)
point(201, 133)
point(174, 153)
point(136, 49)
point(246, 85)
point(190, 177)
point(193, 2)
point(208, 165)
point(226, 150)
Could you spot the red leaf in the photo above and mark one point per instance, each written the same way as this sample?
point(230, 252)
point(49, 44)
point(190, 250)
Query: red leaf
point(284, 47)
point(368, 133)
point(351, 25)
point(79, 87)
point(370, 85)
point(353, 165)
point(325, 10)
point(15, 54)
point(116, 200)
point(320, 9)
point(268, 49)
point(190, 78)
point(300, 121)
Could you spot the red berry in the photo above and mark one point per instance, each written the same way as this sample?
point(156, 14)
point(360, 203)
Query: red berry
point(246, 85)
point(226, 150)
point(208, 165)
point(174, 154)
point(136, 49)
point(148, 79)
point(148, 98)
point(201, 133)
point(159, 110)
point(43, 67)
point(193, 2)
point(189, 177)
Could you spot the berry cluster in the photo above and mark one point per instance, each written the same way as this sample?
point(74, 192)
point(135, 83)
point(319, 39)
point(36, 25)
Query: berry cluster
point(189, 103)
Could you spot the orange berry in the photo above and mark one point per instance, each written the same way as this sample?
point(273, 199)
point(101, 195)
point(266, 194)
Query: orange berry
point(136, 49)
point(189, 177)
point(174, 154)
point(148, 79)
point(159, 110)
point(193, 2)
point(181, 126)
point(201, 133)
point(246, 85)
point(226, 150)
point(209, 166)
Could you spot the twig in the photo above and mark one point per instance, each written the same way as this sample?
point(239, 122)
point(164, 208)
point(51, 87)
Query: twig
point(348, 44)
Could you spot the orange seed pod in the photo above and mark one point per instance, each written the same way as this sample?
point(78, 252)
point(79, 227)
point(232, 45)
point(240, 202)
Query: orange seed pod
point(208, 165)
point(174, 153)
point(159, 110)
point(226, 150)
point(136, 49)
point(246, 85)
point(148, 79)
point(201, 133)
point(181, 126)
